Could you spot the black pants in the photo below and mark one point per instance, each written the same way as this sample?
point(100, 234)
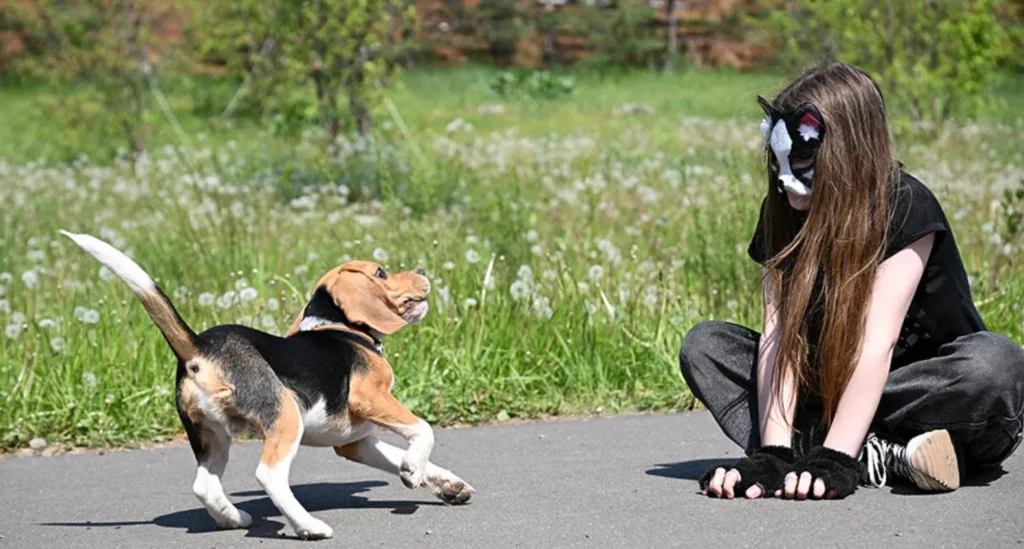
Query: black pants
point(974, 388)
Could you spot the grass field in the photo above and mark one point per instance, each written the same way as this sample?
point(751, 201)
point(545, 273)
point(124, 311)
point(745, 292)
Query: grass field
point(570, 248)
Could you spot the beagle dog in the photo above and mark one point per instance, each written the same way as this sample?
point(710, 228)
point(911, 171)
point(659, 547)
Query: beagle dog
point(326, 383)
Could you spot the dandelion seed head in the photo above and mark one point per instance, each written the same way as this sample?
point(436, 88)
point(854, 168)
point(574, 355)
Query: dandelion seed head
point(17, 318)
point(106, 274)
point(5, 306)
point(206, 299)
point(379, 255)
point(273, 304)
point(57, 344)
point(595, 272)
point(241, 284)
point(89, 380)
point(268, 321)
point(472, 256)
point(12, 331)
point(247, 295)
point(30, 279)
point(47, 324)
point(91, 316)
point(520, 290)
point(6, 278)
point(448, 266)
point(470, 303)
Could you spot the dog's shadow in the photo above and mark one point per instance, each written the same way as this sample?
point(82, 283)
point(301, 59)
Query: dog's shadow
point(315, 497)
point(684, 470)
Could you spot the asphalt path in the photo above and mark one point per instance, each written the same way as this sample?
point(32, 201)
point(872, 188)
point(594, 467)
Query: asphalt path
point(607, 482)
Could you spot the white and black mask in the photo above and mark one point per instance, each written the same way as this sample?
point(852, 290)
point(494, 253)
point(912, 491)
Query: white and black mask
point(793, 137)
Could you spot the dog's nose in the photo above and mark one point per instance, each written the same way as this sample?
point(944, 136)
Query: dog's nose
point(420, 272)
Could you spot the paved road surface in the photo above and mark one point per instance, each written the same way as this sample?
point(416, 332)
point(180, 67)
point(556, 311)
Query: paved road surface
point(622, 482)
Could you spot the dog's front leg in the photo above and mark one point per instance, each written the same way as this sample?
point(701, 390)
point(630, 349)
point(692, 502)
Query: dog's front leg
point(376, 453)
point(384, 410)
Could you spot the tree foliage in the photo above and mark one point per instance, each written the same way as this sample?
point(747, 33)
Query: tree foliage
point(932, 56)
point(311, 59)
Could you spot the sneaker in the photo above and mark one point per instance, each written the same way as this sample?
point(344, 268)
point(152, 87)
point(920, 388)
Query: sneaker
point(928, 460)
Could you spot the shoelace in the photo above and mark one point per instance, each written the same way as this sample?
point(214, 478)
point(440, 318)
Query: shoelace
point(883, 457)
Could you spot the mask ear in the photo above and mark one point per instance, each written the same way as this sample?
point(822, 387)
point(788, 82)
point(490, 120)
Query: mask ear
point(364, 302)
point(812, 125)
point(765, 105)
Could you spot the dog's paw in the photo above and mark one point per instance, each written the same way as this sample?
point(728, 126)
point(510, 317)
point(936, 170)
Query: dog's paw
point(411, 475)
point(454, 491)
point(313, 529)
point(238, 519)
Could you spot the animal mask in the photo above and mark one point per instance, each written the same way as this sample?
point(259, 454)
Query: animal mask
point(793, 137)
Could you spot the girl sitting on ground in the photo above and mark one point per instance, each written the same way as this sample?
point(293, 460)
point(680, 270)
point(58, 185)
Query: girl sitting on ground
point(873, 362)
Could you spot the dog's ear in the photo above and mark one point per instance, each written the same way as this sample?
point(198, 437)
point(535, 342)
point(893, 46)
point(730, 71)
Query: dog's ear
point(365, 302)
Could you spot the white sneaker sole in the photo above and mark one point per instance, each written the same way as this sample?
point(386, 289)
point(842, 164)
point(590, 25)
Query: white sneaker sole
point(933, 463)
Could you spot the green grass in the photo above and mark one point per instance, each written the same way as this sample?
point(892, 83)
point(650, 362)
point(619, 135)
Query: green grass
point(631, 229)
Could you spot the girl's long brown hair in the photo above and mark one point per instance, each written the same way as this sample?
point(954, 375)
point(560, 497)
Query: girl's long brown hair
point(842, 239)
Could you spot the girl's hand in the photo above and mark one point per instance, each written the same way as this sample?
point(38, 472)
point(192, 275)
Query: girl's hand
point(751, 476)
point(823, 473)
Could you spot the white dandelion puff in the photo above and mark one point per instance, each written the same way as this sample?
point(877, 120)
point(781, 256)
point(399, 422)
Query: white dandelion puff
point(36, 256)
point(13, 331)
point(532, 236)
point(472, 256)
point(448, 266)
point(106, 274)
point(227, 300)
point(470, 303)
point(536, 249)
point(89, 379)
point(5, 306)
point(301, 270)
point(30, 279)
point(206, 299)
point(273, 304)
point(57, 344)
point(650, 296)
point(379, 255)
point(90, 316)
point(247, 295)
point(241, 284)
point(520, 289)
point(6, 278)
point(595, 272)
point(47, 324)
point(268, 321)
point(582, 286)
point(18, 318)
point(525, 273)
point(542, 308)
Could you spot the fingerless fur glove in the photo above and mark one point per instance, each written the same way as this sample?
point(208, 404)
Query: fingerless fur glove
point(766, 466)
point(838, 470)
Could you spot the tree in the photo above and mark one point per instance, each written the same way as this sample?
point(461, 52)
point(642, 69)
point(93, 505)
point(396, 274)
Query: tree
point(931, 55)
point(103, 49)
point(345, 52)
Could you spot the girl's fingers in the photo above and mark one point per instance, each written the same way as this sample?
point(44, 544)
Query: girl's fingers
point(731, 478)
point(716, 482)
point(804, 485)
point(790, 487)
point(819, 488)
point(754, 492)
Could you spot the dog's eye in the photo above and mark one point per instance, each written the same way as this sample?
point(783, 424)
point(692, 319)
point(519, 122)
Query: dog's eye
point(381, 274)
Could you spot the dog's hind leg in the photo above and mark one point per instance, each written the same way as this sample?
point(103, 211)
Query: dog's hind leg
point(376, 453)
point(281, 443)
point(213, 458)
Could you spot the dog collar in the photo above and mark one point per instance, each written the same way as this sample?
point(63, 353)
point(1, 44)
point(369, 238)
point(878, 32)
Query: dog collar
point(318, 324)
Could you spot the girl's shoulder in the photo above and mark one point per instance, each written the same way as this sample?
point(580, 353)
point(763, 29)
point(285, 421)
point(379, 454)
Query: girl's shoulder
point(914, 211)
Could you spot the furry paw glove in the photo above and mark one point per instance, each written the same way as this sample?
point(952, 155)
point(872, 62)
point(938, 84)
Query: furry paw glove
point(838, 470)
point(766, 466)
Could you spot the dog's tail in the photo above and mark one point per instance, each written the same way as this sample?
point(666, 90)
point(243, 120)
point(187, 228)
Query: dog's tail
point(177, 333)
